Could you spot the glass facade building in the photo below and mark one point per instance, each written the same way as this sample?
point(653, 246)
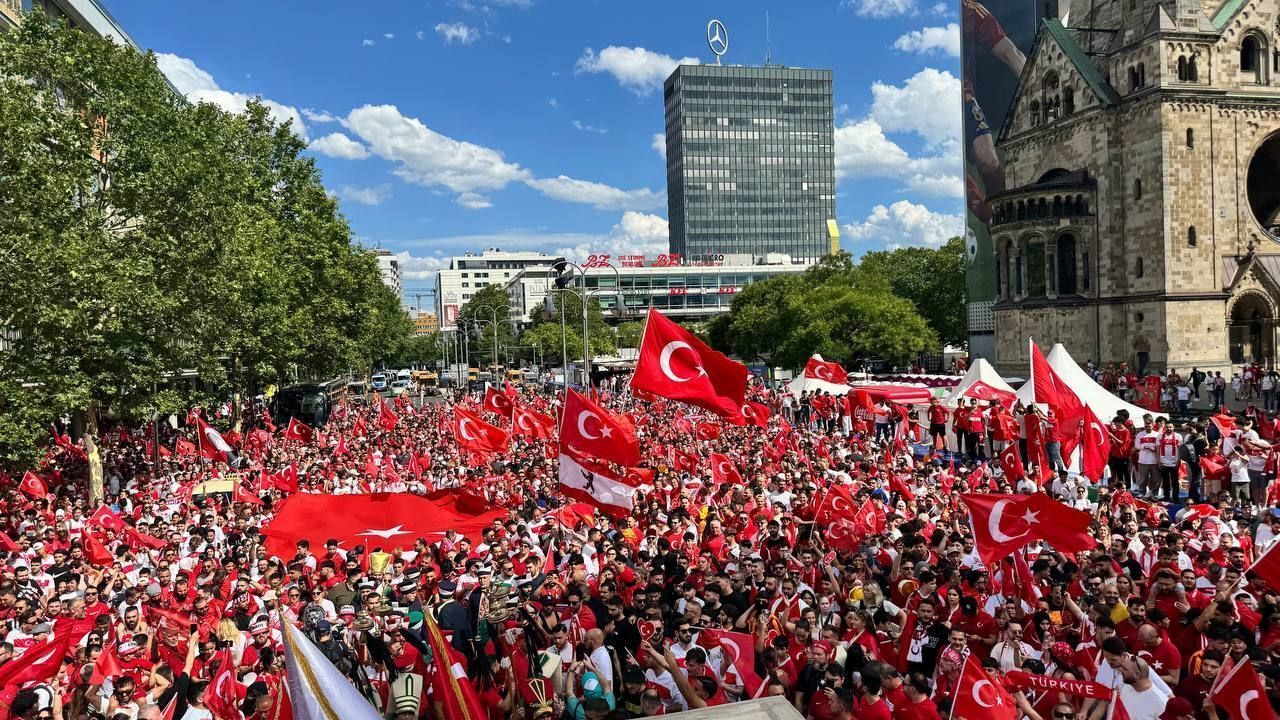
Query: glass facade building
point(750, 161)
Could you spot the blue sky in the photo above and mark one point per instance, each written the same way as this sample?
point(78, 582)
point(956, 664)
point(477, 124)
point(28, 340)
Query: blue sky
point(456, 125)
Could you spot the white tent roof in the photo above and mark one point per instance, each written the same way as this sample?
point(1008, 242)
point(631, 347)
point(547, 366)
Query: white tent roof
point(1102, 403)
point(979, 370)
point(808, 384)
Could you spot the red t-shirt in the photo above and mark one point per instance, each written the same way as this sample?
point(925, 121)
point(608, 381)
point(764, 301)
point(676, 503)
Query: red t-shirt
point(878, 710)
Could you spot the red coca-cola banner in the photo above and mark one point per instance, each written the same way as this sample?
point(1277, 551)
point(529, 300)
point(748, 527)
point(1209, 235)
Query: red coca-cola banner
point(1080, 688)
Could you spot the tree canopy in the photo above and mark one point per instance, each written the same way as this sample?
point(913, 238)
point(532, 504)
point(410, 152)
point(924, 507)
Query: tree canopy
point(143, 237)
point(931, 279)
point(844, 310)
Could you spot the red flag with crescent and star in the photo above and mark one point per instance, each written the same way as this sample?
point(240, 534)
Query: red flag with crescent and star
point(820, 369)
point(979, 696)
point(1242, 694)
point(298, 430)
point(752, 413)
point(497, 402)
point(33, 486)
point(474, 434)
point(387, 418)
point(674, 364)
point(723, 470)
point(210, 442)
point(740, 650)
point(532, 424)
point(1095, 446)
point(1004, 523)
point(585, 427)
point(837, 504)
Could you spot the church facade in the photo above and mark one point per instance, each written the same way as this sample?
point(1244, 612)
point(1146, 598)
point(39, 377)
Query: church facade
point(1140, 220)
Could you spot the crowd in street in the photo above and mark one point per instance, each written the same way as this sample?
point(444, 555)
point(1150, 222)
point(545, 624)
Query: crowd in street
point(811, 555)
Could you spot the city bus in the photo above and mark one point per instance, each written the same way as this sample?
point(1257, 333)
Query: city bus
point(310, 402)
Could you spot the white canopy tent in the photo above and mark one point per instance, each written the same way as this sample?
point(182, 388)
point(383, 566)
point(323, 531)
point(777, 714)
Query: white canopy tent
point(807, 384)
point(1103, 404)
point(980, 370)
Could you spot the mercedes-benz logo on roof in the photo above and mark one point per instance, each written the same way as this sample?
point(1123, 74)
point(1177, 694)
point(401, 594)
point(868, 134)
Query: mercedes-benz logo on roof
point(717, 38)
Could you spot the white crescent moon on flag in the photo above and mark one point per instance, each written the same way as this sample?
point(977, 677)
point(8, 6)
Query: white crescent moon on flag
point(1245, 699)
point(664, 360)
point(727, 643)
point(839, 500)
point(748, 412)
point(977, 696)
point(582, 424)
point(216, 440)
point(993, 524)
point(1098, 429)
point(522, 422)
point(725, 467)
point(462, 429)
point(822, 372)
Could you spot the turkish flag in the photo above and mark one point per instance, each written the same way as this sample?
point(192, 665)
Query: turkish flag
point(96, 552)
point(723, 470)
point(388, 520)
point(224, 692)
point(836, 504)
point(1004, 523)
point(33, 486)
point(752, 413)
point(1242, 694)
point(985, 392)
point(287, 481)
point(979, 695)
point(636, 476)
point(871, 518)
point(843, 535)
point(40, 662)
point(474, 434)
point(683, 461)
point(107, 519)
point(497, 402)
point(675, 364)
point(532, 424)
point(298, 430)
point(106, 666)
point(707, 431)
point(740, 650)
point(589, 429)
point(1011, 464)
point(183, 446)
point(1267, 567)
point(241, 495)
point(387, 419)
point(211, 444)
point(820, 369)
point(1053, 391)
point(1095, 447)
point(1226, 423)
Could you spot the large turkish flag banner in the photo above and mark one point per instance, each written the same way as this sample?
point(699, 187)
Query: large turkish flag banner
point(1004, 523)
point(675, 364)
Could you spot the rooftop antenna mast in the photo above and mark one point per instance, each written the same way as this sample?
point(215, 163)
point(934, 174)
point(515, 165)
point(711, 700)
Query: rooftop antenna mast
point(768, 49)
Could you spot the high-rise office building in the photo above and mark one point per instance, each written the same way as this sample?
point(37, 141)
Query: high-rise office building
point(750, 161)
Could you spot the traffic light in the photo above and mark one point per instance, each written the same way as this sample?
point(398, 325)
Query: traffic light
point(563, 274)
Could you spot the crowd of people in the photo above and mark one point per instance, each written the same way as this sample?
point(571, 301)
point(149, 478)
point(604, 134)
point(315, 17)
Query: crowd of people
point(705, 592)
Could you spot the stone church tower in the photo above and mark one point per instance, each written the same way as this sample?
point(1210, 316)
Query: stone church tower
point(1141, 219)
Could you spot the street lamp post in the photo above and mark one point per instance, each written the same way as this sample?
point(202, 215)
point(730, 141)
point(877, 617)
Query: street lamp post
point(583, 296)
point(493, 318)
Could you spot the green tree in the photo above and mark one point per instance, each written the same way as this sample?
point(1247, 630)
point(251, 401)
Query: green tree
point(629, 333)
point(143, 235)
point(603, 337)
point(933, 279)
point(547, 339)
point(476, 317)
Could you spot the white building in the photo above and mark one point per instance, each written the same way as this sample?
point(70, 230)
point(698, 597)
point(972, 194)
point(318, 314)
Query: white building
point(392, 274)
point(683, 291)
point(471, 272)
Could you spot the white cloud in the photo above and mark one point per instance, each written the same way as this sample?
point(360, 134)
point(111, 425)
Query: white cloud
point(940, 9)
point(417, 267)
point(553, 103)
point(931, 40)
point(659, 144)
point(366, 43)
point(319, 116)
point(364, 195)
point(389, 36)
point(636, 233)
point(339, 146)
point(522, 4)
point(598, 195)
point(881, 9)
point(863, 151)
point(639, 70)
point(199, 86)
point(458, 32)
point(906, 223)
point(584, 127)
point(506, 39)
point(927, 105)
point(473, 201)
point(426, 157)
point(420, 34)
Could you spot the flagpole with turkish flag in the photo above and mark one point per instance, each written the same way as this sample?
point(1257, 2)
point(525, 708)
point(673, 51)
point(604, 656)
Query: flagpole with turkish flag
point(585, 427)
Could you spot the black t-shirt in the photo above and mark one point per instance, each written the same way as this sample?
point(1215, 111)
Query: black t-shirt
point(934, 638)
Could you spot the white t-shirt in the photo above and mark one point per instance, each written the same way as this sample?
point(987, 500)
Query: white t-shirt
point(1147, 442)
point(1145, 705)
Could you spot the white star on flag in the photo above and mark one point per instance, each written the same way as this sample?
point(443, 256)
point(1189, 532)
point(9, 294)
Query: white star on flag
point(388, 533)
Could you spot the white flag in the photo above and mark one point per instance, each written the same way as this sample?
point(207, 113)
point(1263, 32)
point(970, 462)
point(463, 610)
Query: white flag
point(593, 487)
point(317, 689)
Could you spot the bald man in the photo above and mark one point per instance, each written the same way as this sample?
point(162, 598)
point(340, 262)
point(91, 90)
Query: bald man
point(600, 657)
